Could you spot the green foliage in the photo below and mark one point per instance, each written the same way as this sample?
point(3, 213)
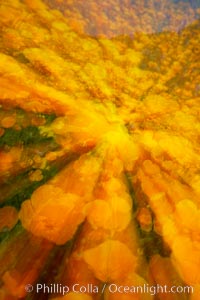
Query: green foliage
point(28, 135)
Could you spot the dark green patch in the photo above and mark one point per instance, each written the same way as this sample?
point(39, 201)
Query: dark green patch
point(50, 118)
point(152, 244)
point(131, 191)
point(27, 187)
point(26, 136)
point(21, 188)
point(6, 234)
point(22, 58)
